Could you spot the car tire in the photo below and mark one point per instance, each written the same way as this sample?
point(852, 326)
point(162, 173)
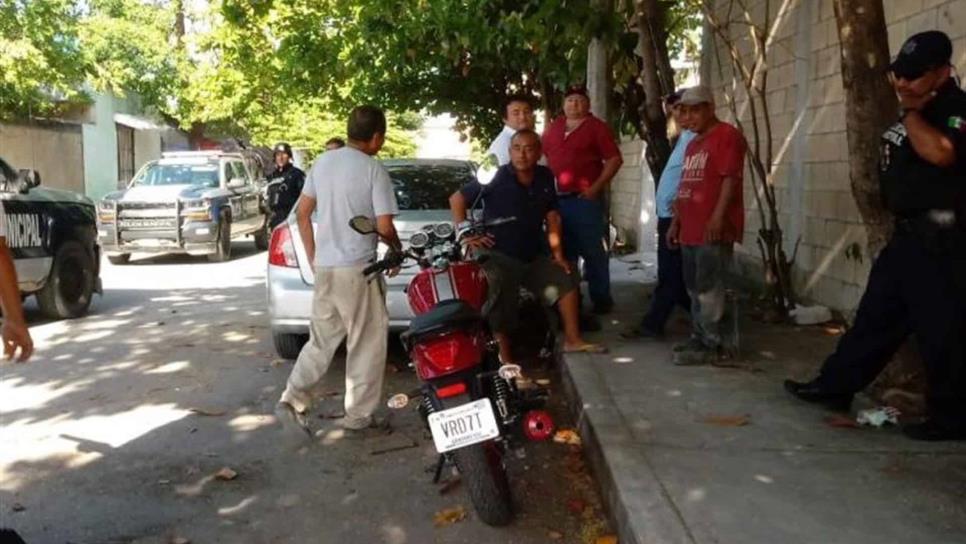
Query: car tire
point(288, 346)
point(121, 259)
point(223, 245)
point(70, 286)
point(262, 237)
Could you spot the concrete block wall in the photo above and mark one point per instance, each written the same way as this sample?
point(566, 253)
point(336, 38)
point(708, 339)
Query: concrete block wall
point(55, 150)
point(807, 107)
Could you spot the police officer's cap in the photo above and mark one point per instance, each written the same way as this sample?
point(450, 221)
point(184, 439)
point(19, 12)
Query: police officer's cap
point(922, 52)
point(283, 147)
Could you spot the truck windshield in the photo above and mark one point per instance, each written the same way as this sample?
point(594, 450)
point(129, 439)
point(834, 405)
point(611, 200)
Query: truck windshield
point(205, 175)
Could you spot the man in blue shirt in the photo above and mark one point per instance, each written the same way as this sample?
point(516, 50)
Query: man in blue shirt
point(522, 252)
point(670, 290)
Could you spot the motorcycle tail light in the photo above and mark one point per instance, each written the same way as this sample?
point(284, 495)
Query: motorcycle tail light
point(281, 250)
point(538, 425)
point(451, 390)
point(446, 354)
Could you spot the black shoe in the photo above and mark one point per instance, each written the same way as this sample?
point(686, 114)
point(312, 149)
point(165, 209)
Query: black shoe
point(640, 331)
point(934, 430)
point(589, 323)
point(814, 392)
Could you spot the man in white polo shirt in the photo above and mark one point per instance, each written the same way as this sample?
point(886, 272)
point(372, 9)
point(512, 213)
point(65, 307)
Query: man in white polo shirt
point(342, 184)
point(517, 115)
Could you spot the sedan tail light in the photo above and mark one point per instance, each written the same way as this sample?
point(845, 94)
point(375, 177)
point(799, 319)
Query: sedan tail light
point(281, 250)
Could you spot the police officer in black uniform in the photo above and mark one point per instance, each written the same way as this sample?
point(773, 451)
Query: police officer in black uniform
point(917, 283)
point(284, 186)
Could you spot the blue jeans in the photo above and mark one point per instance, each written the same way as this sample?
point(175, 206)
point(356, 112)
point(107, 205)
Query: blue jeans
point(583, 233)
point(670, 290)
point(706, 270)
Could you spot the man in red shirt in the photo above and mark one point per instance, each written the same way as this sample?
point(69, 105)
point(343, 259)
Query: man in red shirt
point(709, 218)
point(584, 157)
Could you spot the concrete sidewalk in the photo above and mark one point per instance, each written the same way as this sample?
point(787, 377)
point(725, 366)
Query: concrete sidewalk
point(674, 470)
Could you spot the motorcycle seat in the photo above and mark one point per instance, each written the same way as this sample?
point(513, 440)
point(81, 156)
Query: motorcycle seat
point(444, 315)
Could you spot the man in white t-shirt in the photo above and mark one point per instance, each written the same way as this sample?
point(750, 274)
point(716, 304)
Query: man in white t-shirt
point(517, 115)
point(14, 330)
point(342, 184)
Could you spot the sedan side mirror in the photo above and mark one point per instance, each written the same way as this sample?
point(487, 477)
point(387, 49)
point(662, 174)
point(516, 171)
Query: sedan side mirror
point(363, 224)
point(28, 179)
point(237, 183)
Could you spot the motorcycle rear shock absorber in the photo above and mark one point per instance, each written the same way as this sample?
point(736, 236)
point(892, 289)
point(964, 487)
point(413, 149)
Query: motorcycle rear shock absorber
point(501, 397)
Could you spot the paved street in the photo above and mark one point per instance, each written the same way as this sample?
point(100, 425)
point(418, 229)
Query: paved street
point(113, 432)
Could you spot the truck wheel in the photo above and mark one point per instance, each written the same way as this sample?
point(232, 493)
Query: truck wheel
point(223, 246)
point(70, 287)
point(288, 346)
point(123, 258)
point(262, 237)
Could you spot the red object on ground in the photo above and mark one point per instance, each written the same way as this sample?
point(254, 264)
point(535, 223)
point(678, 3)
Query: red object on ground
point(538, 425)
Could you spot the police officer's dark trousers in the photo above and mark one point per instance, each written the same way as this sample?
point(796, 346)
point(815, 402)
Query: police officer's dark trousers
point(915, 290)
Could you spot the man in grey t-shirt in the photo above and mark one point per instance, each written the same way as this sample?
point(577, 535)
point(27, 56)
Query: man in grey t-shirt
point(342, 184)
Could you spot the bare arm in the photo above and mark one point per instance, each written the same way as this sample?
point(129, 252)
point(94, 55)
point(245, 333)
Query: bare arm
point(14, 332)
point(457, 206)
point(387, 231)
point(716, 224)
point(929, 143)
point(303, 214)
point(611, 166)
point(555, 238)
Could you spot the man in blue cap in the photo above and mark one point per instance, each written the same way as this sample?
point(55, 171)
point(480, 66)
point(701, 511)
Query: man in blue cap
point(917, 282)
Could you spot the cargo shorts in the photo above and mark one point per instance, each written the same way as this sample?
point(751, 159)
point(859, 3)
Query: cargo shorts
point(542, 277)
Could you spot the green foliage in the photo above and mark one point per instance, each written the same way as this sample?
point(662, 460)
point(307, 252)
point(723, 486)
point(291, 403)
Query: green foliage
point(41, 63)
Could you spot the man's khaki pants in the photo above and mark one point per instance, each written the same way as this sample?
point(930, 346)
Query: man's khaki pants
point(344, 306)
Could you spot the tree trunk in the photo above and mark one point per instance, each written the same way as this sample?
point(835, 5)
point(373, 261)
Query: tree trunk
point(657, 80)
point(598, 70)
point(870, 107)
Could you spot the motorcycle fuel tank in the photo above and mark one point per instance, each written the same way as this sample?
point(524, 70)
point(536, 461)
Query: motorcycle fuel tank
point(465, 281)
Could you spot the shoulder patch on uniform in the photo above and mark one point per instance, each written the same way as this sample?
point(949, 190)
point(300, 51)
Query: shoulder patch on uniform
point(957, 123)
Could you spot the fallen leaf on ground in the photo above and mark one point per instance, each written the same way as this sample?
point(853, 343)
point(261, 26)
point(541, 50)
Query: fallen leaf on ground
point(226, 474)
point(213, 412)
point(449, 516)
point(576, 506)
point(727, 421)
point(841, 421)
point(607, 539)
point(17, 507)
point(543, 381)
point(833, 330)
point(567, 436)
point(554, 535)
point(278, 362)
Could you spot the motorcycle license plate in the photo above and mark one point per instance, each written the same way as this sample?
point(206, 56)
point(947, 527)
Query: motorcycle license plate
point(463, 426)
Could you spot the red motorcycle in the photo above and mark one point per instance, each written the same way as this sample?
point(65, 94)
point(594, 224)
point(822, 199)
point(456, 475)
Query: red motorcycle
point(468, 400)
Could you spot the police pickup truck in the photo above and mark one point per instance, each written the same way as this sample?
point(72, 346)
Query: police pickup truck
point(192, 202)
point(53, 238)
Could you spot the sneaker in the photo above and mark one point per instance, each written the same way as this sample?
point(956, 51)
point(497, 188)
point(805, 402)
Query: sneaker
point(699, 356)
point(293, 423)
point(690, 344)
point(355, 424)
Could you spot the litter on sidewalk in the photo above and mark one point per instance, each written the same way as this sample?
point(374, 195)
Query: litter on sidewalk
point(877, 417)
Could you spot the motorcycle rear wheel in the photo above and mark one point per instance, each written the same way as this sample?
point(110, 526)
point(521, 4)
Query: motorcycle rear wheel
point(484, 475)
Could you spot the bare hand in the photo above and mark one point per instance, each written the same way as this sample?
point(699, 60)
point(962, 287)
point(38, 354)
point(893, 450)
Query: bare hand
point(714, 230)
point(589, 194)
point(483, 241)
point(393, 272)
point(16, 336)
point(672, 236)
point(562, 263)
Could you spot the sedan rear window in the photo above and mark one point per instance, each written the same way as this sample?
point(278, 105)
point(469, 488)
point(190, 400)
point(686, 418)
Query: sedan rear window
point(427, 186)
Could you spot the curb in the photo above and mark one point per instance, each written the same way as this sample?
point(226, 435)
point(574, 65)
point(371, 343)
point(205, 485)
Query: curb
point(636, 500)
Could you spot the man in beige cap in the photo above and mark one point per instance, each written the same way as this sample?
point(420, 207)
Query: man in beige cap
point(708, 220)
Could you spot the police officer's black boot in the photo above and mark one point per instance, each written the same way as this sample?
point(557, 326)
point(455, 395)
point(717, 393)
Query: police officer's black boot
point(816, 393)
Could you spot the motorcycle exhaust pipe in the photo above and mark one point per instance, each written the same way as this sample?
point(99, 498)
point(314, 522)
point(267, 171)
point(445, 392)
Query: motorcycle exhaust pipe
point(538, 425)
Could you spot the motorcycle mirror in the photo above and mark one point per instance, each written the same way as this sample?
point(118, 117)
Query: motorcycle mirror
point(487, 170)
point(362, 224)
